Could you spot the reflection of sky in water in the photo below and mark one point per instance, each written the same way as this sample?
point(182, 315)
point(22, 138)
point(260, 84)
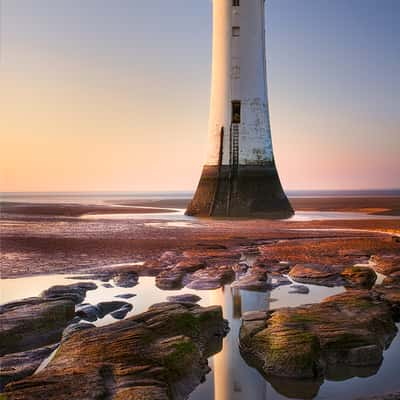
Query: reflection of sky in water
point(335, 215)
point(231, 378)
point(178, 215)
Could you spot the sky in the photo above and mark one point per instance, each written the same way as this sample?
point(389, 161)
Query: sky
point(114, 95)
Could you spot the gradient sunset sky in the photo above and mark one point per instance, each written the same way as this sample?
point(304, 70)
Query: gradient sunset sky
point(114, 95)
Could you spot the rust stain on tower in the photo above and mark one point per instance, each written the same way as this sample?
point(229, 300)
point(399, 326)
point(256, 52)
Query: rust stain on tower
point(239, 178)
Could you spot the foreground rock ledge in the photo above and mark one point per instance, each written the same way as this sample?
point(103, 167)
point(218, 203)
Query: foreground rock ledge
point(32, 323)
point(160, 354)
point(350, 329)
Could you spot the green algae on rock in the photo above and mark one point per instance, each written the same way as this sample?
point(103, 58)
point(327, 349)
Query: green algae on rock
point(159, 354)
point(334, 275)
point(33, 322)
point(352, 328)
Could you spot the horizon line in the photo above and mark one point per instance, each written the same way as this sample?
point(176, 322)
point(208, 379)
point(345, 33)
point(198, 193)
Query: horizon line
point(184, 191)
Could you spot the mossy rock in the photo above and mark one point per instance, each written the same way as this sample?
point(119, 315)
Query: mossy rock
point(35, 325)
point(301, 342)
point(146, 355)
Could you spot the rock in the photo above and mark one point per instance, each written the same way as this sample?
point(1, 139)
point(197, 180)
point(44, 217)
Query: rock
point(71, 329)
point(107, 285)
point(17, 366)
point(170, 279)
point(169, 257)
point(125, 295)
point(359, 277)
point(126, 279)
point(280, 281)
point(75, 320)
point(189, 265)
point(159, 354)
point(296, 388)
point(299, 289)
point(254, 316)
point(352, 328)
point(255, 279)
point(107, 307)
point(274, 267)
point(88, 312)
point(75, 292)
point(365, 355)
point(184, 298)
point(211, 278)
point(152, 267)
point(325, 275)
point(192, 272)
point(389, 291)
point(205, 284)
point(33, 323)
point(333, 275)
point(241, 268)
point(121, 312)
point(392, 279)
point(387, 264)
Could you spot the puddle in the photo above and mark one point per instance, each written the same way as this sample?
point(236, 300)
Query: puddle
point(175, 224)
point(176, 214)
point(179, 214)
point(335, 215)
point(231, 378)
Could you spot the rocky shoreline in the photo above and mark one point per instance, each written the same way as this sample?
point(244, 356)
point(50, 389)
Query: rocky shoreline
point(162, 353)
point(159, 354)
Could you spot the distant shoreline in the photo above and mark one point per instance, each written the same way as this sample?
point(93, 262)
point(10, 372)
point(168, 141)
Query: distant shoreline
point(5, 196)
point(374, 205)
point(383, 205)
point(74, 209)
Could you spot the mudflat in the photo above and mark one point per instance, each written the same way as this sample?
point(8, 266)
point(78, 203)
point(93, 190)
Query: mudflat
point(73, 209)
point(380, 205)
point(352, 257)
point(59, 241)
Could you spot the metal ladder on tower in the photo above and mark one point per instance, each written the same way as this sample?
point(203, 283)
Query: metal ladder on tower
point(234, 162)
point(235, 146)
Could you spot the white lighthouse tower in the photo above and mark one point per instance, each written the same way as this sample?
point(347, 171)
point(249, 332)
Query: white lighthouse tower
point(239, 178)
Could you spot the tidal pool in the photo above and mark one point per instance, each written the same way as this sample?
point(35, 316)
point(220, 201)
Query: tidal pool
point(231, 378)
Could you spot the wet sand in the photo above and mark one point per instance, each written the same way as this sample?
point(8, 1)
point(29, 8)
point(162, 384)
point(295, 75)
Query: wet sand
point(371, 205)
point(74, 210)
point(59, 243)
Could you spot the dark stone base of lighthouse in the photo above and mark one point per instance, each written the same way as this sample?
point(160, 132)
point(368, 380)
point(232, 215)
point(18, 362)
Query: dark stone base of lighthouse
point(241, 191)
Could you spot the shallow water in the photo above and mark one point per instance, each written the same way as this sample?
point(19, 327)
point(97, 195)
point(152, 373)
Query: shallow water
point(178, 215)
point(335, 215)
point(231, 378)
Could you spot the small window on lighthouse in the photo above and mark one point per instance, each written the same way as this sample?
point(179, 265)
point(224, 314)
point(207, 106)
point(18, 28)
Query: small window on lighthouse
point(236, 112)
point(236, 3)
point(235, 31)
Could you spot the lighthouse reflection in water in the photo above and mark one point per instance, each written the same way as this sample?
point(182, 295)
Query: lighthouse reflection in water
point(231, 378)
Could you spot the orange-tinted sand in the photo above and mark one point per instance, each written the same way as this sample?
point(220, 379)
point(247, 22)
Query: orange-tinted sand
point(34, 245)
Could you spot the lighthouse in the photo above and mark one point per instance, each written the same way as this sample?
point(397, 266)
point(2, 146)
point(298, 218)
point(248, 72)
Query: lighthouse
point(239, 177)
